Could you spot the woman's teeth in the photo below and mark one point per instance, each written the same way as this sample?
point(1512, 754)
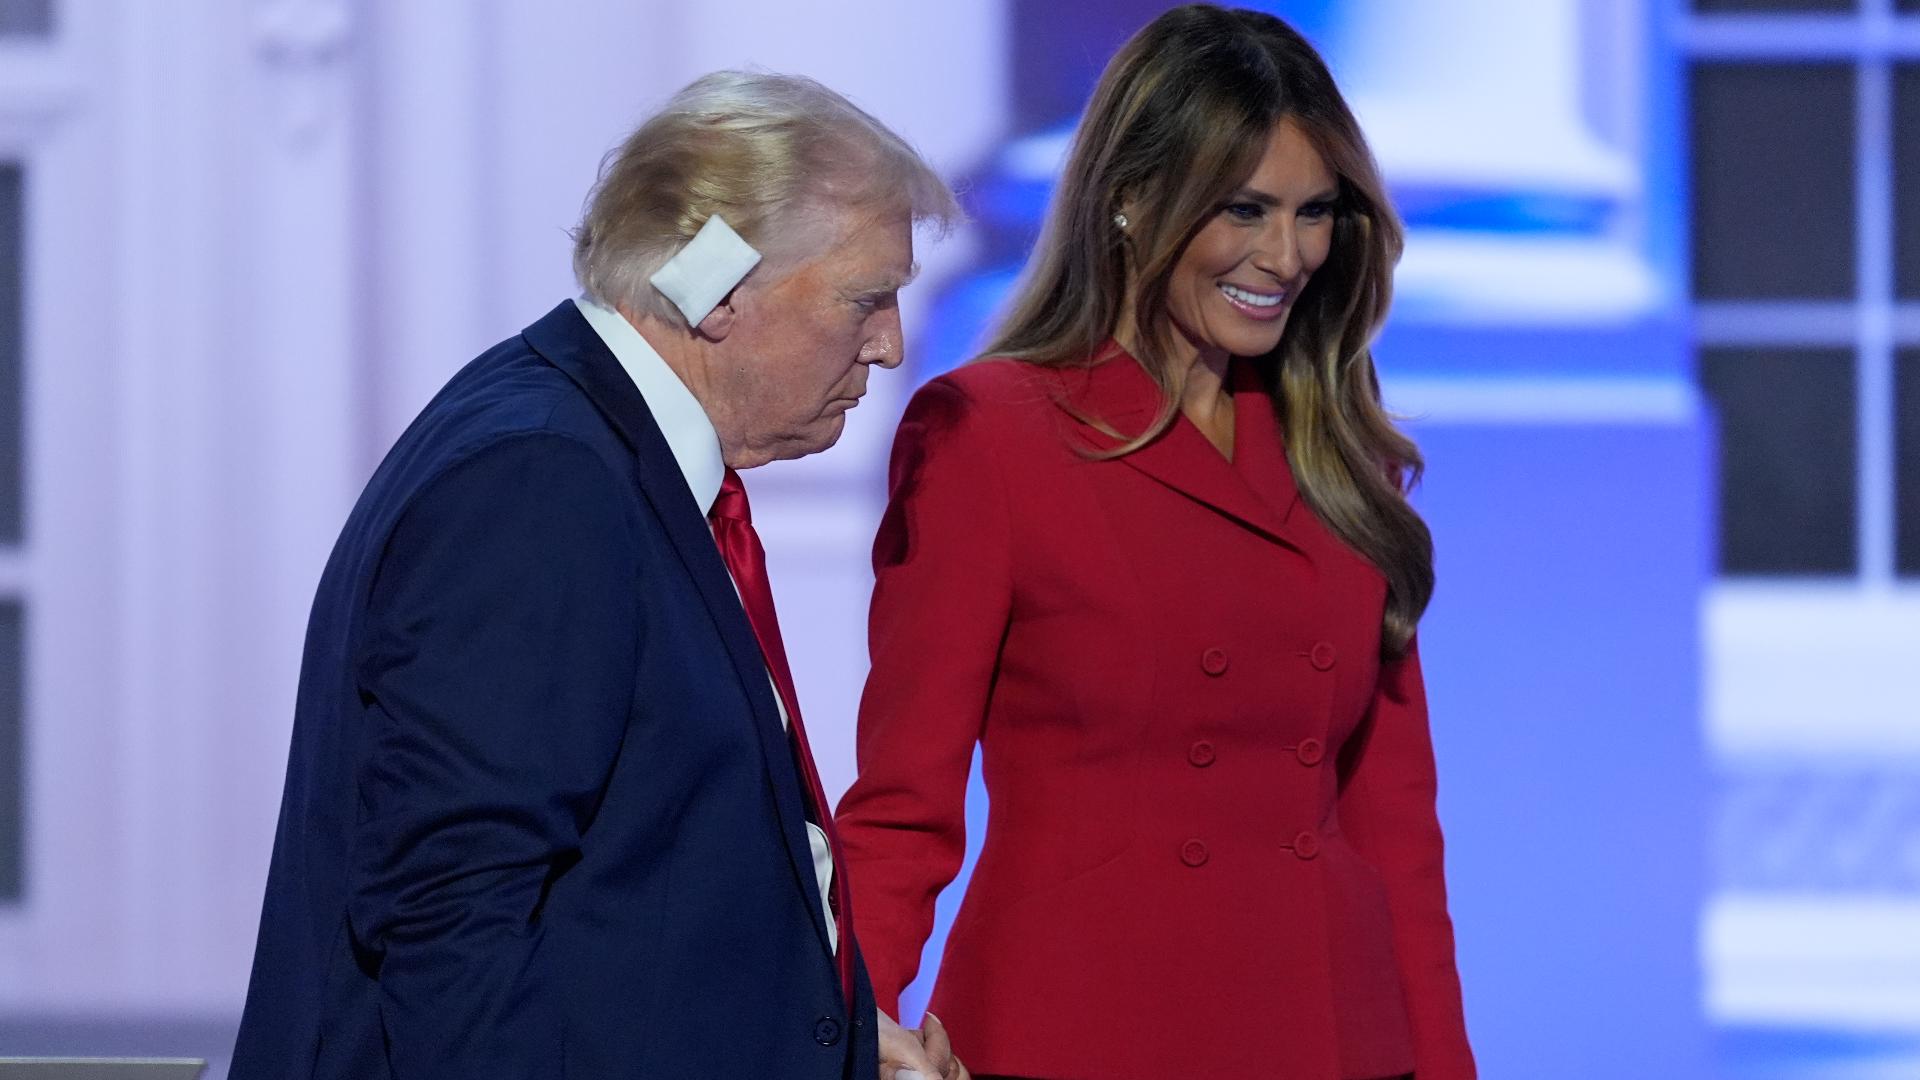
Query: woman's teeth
point(1253, 299)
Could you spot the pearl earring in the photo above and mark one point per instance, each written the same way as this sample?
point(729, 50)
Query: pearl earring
point(1120, 220)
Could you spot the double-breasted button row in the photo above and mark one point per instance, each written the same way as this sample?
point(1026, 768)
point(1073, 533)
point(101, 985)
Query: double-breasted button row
point(1305, 845)
point(1309, 751)
point(1322, 656)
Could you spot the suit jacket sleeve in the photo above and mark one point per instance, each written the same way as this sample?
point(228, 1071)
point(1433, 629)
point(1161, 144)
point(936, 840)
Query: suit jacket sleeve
point(497, 675)
point(1387, 812)
point(940, 606)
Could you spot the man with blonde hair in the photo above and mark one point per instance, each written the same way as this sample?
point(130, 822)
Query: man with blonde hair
point(549, 808)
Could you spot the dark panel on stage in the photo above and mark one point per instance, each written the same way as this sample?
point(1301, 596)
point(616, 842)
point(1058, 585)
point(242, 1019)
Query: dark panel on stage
point(1773, 181)
point(26, 18)
point(12, 753)
point(12, 344)
point(1906, 456)
point(1787, 456)
point(1059, 50)
point(1060, 47)
point(1906, 178)
point(1774, 7)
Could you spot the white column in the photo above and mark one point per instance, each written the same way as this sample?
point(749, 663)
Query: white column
point(65, 935)
point(300, 276)
point(1476, 89)
point(173, 336)
point(238, 457)
point(549, 133)
point(430, 111)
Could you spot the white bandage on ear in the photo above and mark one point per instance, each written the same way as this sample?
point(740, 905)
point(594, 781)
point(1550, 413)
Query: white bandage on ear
point(706, 270)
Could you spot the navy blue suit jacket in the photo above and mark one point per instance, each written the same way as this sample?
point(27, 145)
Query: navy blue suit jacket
point(541, 818)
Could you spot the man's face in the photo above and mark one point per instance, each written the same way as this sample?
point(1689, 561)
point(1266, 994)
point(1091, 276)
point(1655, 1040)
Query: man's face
point(797, 358)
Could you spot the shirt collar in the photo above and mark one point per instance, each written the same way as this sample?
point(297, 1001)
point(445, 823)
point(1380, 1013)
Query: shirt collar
point(689, 434)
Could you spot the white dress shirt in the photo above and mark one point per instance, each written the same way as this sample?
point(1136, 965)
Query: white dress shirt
point(696, 449)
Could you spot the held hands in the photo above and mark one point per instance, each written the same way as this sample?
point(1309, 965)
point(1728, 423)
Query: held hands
point(918, 1054)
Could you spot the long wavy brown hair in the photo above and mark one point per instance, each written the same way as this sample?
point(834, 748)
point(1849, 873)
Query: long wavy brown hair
point(1179, 121)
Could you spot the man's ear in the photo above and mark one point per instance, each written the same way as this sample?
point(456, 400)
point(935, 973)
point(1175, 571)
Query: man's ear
point(719, 322)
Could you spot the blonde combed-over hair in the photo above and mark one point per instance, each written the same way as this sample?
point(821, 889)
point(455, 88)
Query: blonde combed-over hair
point(765, 151)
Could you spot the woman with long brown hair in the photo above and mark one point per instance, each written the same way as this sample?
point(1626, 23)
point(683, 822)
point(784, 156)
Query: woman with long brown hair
point(1155, 554)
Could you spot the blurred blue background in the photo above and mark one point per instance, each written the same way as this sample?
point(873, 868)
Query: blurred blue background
point(1657, 330)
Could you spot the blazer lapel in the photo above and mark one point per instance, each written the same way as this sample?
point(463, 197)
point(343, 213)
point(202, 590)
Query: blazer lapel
point(1259, 444)
point(564, 337)
point(1116, 391)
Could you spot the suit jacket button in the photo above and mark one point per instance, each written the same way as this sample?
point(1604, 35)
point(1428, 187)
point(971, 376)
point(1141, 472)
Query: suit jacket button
point(1322, 656)
point(1310, 751)
point(1306, 845)
point(826, 1031)
point(1214, 661)
point(1200, 754)
point(1193, 853)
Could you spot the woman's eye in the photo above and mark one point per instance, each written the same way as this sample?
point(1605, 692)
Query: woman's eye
point(1245, 211)
point(1317, 211)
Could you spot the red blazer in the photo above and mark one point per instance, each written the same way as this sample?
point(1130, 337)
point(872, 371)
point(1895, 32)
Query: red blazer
point(1212, 843)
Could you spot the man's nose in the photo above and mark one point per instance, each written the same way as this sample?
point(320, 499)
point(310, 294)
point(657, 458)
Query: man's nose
point(886, 346)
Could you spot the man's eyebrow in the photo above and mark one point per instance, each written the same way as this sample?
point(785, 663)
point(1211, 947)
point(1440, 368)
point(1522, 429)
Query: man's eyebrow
point(887, 283)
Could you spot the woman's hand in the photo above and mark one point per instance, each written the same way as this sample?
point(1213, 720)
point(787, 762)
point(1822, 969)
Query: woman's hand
point(922, 1053)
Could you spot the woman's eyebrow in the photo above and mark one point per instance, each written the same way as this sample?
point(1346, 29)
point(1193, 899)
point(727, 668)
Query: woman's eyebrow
point(1255, 195)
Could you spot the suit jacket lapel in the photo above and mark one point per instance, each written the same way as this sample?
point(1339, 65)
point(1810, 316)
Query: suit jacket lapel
point(564, 337)
point(1117, 391)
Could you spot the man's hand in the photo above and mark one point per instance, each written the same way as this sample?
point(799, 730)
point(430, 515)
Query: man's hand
point(922, 1054)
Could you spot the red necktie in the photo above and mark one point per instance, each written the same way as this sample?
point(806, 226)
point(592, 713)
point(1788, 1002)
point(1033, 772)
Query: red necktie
point(747, 562)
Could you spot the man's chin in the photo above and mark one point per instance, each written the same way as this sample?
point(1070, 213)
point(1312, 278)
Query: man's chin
point(831, 428)
point(821, 436)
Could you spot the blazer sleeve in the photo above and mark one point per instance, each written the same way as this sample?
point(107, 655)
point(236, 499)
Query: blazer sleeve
point(497, 676)
point(941, 600)
point(1387, 812)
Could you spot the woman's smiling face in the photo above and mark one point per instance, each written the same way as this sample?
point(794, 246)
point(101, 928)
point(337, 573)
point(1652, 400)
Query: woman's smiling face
point(1238, 279)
